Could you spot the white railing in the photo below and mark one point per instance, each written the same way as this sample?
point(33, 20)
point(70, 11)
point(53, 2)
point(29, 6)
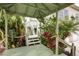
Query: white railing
point(73, 48)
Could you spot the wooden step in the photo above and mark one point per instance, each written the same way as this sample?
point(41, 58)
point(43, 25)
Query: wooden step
point(34, 42)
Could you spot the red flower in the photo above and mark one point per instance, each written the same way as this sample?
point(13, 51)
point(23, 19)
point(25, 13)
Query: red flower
point(47, 34)
point(50, 41)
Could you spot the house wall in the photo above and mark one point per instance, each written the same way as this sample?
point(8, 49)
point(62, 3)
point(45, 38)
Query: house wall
point(62, 13)
point(71, 11)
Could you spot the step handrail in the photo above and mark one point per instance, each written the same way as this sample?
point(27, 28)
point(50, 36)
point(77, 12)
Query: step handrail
point(62, 41)
point(73, 48)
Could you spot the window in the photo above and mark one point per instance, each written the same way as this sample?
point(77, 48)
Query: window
point(77, 17)
point(66, 14)
point(60, 15)
point(63, 14)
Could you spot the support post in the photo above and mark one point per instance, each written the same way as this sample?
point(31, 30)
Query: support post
point(73, 50)
point(6, 29)
point(57, 32)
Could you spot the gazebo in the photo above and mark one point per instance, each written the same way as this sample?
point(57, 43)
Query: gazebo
point(37, 10)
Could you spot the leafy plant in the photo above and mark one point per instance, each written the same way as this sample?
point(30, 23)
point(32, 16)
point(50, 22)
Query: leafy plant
point(65, 29)
point(14, 23)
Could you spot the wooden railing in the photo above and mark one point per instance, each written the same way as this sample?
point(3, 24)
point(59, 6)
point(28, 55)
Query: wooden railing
point(62, 41)
point(73, 48)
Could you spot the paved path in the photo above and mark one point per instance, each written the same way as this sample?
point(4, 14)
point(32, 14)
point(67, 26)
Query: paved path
point(37, 50)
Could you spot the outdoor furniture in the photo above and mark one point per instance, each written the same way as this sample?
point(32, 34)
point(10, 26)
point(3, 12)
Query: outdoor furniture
point(32, 40)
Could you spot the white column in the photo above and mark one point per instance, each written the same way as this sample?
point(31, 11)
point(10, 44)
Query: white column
point(6, 29)
point(57, 32)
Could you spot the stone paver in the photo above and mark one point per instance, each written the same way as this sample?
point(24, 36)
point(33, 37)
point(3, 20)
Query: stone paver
point(37, 50)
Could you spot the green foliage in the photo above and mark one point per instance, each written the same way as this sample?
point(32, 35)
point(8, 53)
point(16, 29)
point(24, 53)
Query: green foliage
point(2, 21)
point(14, 23)
point(43, 40)
point(49, 26)
point(66, 26)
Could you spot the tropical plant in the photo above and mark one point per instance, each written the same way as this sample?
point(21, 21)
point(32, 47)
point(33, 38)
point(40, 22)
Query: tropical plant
point(2, 21)
point(65, 29)
point(1, 35)
point(49, 26)
point(14, 24)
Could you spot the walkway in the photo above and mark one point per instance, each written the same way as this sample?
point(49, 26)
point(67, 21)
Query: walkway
point(37, 50)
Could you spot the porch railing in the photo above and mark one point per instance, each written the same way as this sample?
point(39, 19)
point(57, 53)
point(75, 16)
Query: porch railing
point(73, 48)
